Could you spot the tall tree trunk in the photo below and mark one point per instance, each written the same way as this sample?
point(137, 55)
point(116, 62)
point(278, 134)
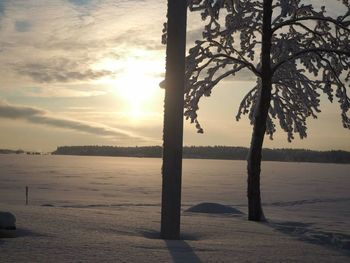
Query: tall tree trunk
point(173, 119)
point(261, 113)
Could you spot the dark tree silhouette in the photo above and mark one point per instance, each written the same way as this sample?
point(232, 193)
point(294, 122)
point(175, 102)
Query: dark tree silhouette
point(294, 51)
point(173, 119)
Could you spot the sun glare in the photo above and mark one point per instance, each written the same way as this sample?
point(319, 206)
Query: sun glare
point(136, 86)
point(136, 82)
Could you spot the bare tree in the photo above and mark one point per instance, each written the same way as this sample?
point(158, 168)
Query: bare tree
point(173, 119)
point(294, 51)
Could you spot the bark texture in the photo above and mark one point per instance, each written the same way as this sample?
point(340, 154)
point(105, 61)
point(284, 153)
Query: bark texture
point(173, 119)
point(255, 212)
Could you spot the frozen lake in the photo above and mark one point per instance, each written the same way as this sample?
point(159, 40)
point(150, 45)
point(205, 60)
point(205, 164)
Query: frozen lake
point(303, 201)
point(80, 180)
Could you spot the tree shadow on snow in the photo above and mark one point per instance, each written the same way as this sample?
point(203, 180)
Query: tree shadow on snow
point(7, 235)
point(19, 232)
point(179, 250)
point(305, 232)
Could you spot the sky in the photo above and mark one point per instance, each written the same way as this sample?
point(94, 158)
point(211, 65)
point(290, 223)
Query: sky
point(87, 72)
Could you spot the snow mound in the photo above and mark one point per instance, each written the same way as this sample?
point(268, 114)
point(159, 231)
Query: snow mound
point(48, 205)
point(213, 208)
point(7, 221)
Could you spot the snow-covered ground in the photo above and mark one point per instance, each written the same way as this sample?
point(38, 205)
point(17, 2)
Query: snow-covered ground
point(101, 209)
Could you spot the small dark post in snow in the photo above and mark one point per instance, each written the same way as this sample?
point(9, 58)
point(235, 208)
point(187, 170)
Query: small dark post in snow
point(26, 195)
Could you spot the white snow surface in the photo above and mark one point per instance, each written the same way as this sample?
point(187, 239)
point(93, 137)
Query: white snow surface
point(107, 209)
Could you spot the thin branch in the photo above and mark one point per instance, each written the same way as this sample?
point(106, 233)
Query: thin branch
point(314, 50)
point(247, 64)
point(326, 19)
point(311, 31)
point(242, 104)
point(226, 74)
point(332, 69)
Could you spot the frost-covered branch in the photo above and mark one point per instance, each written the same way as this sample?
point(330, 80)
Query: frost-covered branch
point(310, 55)
point(311, 50)
point(341, 24)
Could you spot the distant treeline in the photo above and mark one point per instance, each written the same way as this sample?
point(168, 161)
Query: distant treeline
point(6, 151)
point(210, 152)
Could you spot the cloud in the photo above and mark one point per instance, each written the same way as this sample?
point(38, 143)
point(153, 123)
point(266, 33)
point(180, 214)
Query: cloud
point(79, 2)
point(43, 117)
point(22, 25)
point(140, 38)
point(64, 39)
point(61, 70)
point(2, 8)
point(48, 91)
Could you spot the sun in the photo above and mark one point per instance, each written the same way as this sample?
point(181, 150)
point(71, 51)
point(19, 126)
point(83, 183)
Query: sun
point(136, 86)
point(136, 89)
point(136, 82)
